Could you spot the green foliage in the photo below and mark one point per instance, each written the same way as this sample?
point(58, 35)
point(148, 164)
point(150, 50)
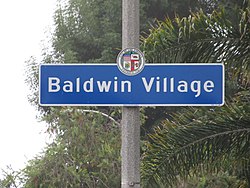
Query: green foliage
point(86, 152)
point(90, 31)
point(218, 180)
point(200, 38)
point(86, 149)
point(87, 31)
point(161, 9)
point(199, 140)
point(11, 178)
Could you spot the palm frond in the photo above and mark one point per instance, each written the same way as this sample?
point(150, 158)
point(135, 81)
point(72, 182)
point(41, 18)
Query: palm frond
point(196, 139)
point(201, 38)
point(202, 139)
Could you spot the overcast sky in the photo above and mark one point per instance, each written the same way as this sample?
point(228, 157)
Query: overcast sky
point(23, 27)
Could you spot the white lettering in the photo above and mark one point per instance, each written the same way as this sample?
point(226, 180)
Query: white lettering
point(128, 83)
point(78, 85)
point(208, 86)
point(68, 86)
point(165, 85)
point(147, 85)
point(104, 86)
point(151, 84)
point(196, 87)
point(171, 84)
point(157, 84)
point(88, 85)
point(183, 86)
point(115, 84)
point(54, 84)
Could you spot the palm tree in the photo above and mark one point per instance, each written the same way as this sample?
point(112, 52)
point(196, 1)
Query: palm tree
point(198, 140)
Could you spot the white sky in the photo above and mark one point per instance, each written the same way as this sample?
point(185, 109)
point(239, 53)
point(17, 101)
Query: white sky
point(22, 28)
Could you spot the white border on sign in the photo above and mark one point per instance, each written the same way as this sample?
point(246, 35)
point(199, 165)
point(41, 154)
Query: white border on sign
point(158, 64)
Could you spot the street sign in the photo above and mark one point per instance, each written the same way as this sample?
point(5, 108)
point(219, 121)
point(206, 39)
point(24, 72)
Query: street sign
point(156, 85)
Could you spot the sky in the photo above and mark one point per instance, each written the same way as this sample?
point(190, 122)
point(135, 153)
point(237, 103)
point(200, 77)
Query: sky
point(23, 27)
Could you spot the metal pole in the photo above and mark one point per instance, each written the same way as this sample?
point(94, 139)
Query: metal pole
point(130, 115)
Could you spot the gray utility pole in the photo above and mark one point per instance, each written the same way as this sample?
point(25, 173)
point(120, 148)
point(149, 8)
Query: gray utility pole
point(130, 115)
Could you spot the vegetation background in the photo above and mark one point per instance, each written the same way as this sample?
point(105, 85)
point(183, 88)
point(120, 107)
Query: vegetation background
point(180, 146)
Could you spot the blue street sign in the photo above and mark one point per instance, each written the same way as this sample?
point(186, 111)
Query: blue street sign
point(156, 85)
